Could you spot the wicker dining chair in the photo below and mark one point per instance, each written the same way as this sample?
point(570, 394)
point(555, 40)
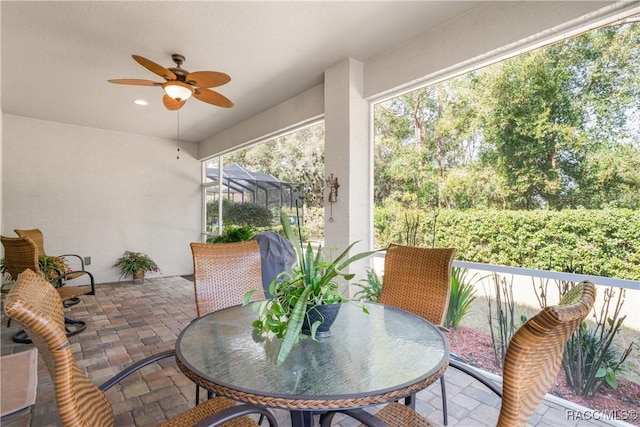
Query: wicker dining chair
point(38, 308)
point(20, 254)
point(222, 274)
point(419, 280)
point(531, 365)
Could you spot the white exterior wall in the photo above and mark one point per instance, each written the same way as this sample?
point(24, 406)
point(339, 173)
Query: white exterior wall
point(98, 193)
point(296, 111)
point(348, 157)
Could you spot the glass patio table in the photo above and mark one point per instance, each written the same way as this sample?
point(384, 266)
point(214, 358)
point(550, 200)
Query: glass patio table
point(369, 359)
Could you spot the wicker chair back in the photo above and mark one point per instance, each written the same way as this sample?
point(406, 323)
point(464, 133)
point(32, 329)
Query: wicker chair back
point(37, 306)
point(418, 280)
point(534, 356)
point(20, 254)
point(224, 273)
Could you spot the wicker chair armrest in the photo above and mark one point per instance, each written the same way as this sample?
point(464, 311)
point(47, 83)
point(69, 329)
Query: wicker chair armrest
point(133, 368)
point(235, 412)
point(457, 363)
point(358, 414)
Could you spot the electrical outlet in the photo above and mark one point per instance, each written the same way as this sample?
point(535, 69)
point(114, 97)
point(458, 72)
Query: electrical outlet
point(87, 260)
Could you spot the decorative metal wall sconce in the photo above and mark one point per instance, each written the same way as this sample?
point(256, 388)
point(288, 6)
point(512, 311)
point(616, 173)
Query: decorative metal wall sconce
point(332, 183)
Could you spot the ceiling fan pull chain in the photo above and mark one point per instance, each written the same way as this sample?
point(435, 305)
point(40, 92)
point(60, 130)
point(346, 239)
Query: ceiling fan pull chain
point(178, 155)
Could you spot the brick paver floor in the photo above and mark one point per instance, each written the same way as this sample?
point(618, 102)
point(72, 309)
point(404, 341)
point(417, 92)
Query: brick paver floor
point(127, 322)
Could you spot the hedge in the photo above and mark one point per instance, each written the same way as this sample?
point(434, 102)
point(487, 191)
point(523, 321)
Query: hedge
point(598, 242)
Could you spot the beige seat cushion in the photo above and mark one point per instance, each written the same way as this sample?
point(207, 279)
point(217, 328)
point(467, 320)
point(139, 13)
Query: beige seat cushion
point(19, 380)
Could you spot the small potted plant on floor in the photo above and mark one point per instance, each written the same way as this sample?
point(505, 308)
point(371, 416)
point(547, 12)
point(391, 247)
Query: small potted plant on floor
point(305, 300)
point(136, 265)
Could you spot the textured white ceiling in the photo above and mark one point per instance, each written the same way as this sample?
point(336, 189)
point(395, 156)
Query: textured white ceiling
point(58, 56)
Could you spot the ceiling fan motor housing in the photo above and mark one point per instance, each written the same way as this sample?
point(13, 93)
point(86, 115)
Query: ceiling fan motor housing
point(180, 73)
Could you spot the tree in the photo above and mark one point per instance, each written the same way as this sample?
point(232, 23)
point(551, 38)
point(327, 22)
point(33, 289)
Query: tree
point(297, 157)
point(554, 111)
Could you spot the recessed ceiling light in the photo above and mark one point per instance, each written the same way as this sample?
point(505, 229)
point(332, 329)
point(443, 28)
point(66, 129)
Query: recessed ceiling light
point(140, 102)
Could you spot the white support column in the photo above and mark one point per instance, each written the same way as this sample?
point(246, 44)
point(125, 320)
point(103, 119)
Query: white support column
point(347, 157)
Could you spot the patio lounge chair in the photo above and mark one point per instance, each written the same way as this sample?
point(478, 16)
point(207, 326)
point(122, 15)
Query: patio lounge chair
point(20, 254)
point(531, 365)
point(38, 238)
point(37, 306)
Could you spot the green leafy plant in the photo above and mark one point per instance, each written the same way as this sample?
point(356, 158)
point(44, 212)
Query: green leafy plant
point(53, 266)
point(370, 287)
point(50, 266)
point(589, 360)
point(311, 282)
point(502, 333)
point(233, 234)
point(463, 293)
point(135, 264)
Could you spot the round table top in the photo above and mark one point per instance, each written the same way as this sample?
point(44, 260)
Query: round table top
point(368, 359)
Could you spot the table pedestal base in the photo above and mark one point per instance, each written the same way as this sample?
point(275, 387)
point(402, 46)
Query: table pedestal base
point(301, 418)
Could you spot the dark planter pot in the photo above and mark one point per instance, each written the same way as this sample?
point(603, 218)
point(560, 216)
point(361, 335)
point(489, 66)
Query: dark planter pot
point(326, 314)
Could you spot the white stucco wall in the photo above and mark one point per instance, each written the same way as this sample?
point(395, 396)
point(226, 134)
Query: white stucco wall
point(301, 109)
point(98, 193)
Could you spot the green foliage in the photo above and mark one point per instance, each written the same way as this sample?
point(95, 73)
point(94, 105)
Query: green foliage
point(505, 318)
point(553, 128)
point(134, 264)
point(246, 214)
point(463, 293)
point(370, 287)
point(297, 157)
point(232, 234)
point(53, 266)
point(311, 282)
point(50, 266)
point(589, 358)
point(313, 223)
point(598, 242)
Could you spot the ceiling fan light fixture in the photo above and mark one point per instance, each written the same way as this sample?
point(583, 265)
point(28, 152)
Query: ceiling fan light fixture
point(178, 90)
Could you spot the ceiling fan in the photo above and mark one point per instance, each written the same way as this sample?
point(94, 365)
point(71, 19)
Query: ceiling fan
point(180, 84)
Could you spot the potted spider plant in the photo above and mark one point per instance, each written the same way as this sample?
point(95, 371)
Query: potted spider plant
point(306, 299)
point(135, 265)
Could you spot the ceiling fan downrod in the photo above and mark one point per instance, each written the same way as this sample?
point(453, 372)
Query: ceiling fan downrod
point(180, 73)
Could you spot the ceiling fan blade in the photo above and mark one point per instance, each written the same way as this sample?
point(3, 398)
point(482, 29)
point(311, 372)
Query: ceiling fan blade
point(172, 104)
point(137, 82)
point(213, 98)
point(155, 68)
point(207, 78)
